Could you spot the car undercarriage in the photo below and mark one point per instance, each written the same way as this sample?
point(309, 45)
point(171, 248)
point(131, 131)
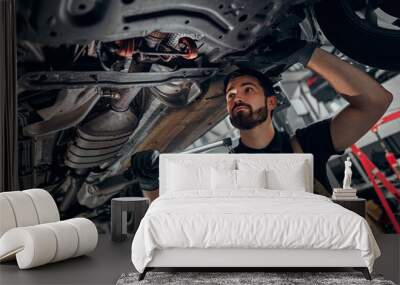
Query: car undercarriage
point(99, 81)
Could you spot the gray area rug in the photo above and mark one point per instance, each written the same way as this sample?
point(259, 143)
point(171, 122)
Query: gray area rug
point(231, 278)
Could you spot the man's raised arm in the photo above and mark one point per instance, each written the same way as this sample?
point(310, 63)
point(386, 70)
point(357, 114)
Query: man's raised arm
point(368, 99)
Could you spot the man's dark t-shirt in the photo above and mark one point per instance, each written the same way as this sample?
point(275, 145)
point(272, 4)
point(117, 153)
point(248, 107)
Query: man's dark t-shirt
point(315, 139)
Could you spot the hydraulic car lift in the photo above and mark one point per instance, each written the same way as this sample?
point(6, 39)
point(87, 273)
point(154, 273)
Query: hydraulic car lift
point(374, 173)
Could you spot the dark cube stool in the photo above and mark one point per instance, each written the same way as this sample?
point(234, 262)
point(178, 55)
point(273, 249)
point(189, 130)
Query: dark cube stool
point(126, 214)
point(357, 205)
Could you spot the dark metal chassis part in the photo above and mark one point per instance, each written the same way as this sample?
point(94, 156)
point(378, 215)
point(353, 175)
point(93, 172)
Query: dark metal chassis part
point(227, 25)
point(78, 79)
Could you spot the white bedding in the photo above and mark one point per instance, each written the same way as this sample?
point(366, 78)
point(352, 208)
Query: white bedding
point(251, 218)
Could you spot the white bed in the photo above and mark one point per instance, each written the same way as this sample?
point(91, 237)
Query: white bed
point(203, 221)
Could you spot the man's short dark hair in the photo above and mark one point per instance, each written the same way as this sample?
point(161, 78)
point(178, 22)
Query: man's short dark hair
point(264, 81)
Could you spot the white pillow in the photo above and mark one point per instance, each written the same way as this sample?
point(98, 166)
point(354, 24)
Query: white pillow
point(223, 179)
point(281, 175)
point(230, 180)
point(186, 175)
point(251, 178)
point(294, 179)
point(183, 178)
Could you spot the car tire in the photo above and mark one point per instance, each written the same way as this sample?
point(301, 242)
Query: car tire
point(369, 45)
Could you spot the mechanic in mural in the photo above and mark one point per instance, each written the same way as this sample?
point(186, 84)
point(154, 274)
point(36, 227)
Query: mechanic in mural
point(251, 101)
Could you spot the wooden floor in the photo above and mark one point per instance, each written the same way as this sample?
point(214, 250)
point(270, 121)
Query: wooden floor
point(110, 260)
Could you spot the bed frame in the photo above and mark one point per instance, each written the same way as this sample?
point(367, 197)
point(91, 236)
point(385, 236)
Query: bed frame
point(242, 259)
point(246, 258)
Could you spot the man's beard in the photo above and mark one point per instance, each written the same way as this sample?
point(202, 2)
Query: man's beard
point(247, 120)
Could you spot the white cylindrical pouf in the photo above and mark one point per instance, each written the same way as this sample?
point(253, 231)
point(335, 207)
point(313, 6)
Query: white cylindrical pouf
point(87, 234)
point(40, 244)
point(34, 245)
point(23, 208)
point(67, 239)
point(7, 218)
point(45, 205)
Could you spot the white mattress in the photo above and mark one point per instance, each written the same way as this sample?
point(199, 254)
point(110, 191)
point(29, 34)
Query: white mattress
point(256, 218)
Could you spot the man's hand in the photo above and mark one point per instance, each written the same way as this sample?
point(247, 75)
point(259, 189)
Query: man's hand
point(368, 99)
point(144, 168)
point(291, 51)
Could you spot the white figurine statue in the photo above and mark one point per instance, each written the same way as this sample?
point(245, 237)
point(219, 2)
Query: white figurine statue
point(347, 174)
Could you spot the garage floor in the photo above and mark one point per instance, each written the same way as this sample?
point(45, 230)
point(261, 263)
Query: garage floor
point(110, 260)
